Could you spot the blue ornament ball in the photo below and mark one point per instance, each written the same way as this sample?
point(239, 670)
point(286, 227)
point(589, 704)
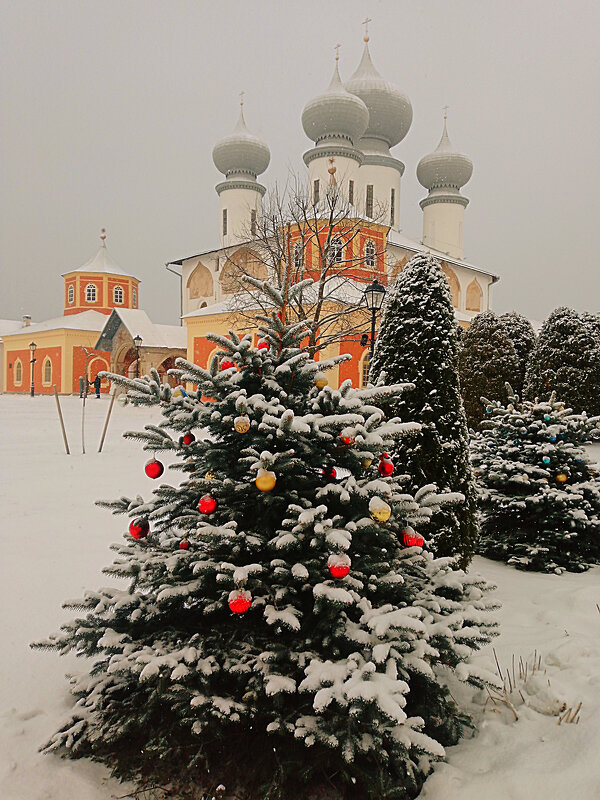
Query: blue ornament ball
point(546, 460)
point(516, 441)
point(553, 438)
point(547, 417)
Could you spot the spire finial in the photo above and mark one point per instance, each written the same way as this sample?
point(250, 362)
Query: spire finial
point(365, 22)
point(332, 170)
point(337, 51)
point(242, 99)
point(103, 237)
point(445, 110)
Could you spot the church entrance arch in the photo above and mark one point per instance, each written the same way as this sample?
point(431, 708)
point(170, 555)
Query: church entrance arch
point(167, 364)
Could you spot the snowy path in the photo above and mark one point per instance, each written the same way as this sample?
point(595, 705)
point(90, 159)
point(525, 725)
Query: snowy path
point(54, 542)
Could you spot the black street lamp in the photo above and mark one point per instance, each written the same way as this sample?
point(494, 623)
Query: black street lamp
point(137, 343)
point(32, 360)
point(374, 296)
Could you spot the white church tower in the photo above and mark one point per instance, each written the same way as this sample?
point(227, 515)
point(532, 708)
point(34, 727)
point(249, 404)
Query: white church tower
point(334, 121)
point(390, 118)
point(241, 157)
point(444, 172)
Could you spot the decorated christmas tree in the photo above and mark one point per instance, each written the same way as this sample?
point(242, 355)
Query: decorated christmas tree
point(418, 342)
point(539, 493)
point(283, 630)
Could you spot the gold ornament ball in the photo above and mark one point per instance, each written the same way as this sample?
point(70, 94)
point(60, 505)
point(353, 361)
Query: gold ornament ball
point(561, 477)
point(367, 462)
point(379, 510)
point(210, 475)
point(321, 380)
point(242, 424)
point(266, 480)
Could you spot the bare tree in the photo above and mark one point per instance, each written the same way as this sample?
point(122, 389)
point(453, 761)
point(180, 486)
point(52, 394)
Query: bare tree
point(303, 238)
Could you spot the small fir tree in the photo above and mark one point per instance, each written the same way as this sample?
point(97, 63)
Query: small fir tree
point(539, 494)
point(278, 635)
point(418, 342)
point(520, 331)
point(566, 360)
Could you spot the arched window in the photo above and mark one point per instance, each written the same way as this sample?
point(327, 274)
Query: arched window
point(47, 371)
point(18, 372)
point(71, 294)
point(370, 254)
point(363, 374)
point(91, 293)
point(454, 284)
point(336, 250)
point(298, 256)
point(134, 298)
point(200, 282)
point(118, 294)
point(474, 296)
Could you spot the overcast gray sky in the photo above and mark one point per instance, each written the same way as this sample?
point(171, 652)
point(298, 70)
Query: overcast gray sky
point(110, 110)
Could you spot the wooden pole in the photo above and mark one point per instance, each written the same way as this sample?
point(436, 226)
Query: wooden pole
point(109, 412)
point(62, 422)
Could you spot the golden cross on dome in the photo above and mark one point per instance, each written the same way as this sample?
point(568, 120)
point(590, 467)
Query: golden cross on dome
point(445, 110)
point(242, 98)
point(365, 22)
point(103, 237)
point(337, 51)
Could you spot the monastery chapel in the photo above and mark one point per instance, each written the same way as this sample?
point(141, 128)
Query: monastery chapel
point(353, 126)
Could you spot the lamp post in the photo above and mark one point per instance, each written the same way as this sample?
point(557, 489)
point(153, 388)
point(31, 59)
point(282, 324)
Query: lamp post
point(32, 360)
point(137, 343)
point(374, 296)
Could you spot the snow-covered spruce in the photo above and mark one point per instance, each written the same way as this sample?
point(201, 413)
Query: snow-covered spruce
point(418, 342)
point(538, 492)
point(520, 332)
point(566, 360)
point(487, 361)
point(321, 682)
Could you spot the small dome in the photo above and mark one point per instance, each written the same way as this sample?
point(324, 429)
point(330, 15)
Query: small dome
point(241, 152)
point(444, 168)
point(390, 111)
point(335, 114)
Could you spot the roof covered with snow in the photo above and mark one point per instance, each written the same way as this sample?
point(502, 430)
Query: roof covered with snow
point(10, 326)
point(138, 323)
point(101, 262)
point(85, 321)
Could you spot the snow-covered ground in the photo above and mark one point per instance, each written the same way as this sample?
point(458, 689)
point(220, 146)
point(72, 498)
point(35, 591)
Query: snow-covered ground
point(54, 541)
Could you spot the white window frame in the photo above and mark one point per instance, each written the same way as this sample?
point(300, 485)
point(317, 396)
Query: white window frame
point(336, 250)
point(134, 298)
point(46, 381)
point(91, 289)
point(119, 299)
point(71, 294)
point(370, 251)
point(18, 368)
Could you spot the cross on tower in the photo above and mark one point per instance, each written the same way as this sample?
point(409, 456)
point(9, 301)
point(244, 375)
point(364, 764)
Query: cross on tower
point(445, 110)
point(337, 51)
point(365, 22)
point(103, 237)
point(242, 98)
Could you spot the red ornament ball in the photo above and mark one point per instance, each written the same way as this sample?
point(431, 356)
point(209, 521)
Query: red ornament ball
point(330, 473)
point(347, 440)
point(239, 601)
point(262, 345)
point(139, 528)
point(207, 504)
point(154, 469)
point(227, 364)
point(189, 438)
point(184, 544)
point(339, 565)
point(386, 466)
point(411, 538)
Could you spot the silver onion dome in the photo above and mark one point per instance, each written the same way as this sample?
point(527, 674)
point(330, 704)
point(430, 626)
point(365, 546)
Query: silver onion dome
point(241, 152)
point(390, 110)
point(444, 168)
point(335, 114)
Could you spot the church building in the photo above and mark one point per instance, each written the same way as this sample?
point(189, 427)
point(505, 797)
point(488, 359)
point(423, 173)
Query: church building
point(353, 127)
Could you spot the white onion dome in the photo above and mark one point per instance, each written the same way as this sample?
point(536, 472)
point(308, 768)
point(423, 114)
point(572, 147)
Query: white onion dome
point(241, 152)
point(444, 168)
point(335, 114)
point(390, 110)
